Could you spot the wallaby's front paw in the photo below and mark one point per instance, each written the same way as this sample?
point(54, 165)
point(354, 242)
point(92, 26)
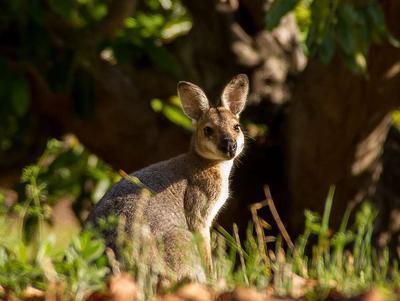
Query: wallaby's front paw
point(199, 274)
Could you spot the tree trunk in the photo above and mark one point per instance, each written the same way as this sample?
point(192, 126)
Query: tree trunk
point(337, 126)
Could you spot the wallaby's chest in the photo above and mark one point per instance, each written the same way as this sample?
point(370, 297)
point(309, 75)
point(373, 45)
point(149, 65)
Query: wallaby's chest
point(202, 188)
point(212, 193)
point(223, 193)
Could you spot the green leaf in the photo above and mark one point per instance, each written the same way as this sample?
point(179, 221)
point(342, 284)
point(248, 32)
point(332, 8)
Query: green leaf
point(361, 61)
point(327, 47)
point(156, 105)
point(363, 35)
point(176, 116)
point(164, 59)
point(93, 251)
point(345, 29)
point(100, 189)
point(278, 9)
point(172, 111)
point(61, 7)
point(99, 11)
point(377, 18)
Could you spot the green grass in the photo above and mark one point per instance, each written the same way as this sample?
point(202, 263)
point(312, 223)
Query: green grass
point(33, 254)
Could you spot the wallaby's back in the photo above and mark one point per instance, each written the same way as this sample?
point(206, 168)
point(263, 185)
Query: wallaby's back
point(165, 209)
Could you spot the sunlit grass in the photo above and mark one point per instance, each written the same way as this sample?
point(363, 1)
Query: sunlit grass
point(318, 262)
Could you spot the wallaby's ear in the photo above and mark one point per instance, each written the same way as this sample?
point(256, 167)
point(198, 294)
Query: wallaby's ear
point(235, 93)
point(194, 101)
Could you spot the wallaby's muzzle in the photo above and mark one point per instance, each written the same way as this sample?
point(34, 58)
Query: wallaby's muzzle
point(228, 146)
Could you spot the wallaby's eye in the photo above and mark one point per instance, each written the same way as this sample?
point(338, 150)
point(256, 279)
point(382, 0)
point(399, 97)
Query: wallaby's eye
point(237, 128)
point(208, 131)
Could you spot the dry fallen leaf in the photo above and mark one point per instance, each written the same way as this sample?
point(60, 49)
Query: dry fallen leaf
point(300, 285)
point(242, 294)
point(99, 297)
point(195, 292)
point(167, 297)
point(33, 294)
point(189, 292)
point(373, 295)
point(123, 288)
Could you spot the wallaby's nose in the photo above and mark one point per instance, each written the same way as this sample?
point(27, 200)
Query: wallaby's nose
point(228, 146)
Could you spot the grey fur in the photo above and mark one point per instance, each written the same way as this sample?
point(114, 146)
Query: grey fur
point(188, 190)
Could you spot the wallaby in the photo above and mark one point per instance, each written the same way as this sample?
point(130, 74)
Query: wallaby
point(190, 189)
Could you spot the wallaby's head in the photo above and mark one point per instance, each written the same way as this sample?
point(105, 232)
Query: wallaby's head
point(217, 135)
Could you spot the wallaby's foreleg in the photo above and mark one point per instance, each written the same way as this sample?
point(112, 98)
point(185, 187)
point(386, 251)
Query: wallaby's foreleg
point(180, 255)
point(206, 250)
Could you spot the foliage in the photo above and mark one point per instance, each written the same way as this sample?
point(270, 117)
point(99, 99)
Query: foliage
point(144, 33)
point(396, 119)
point(51, 38)
point(17, 270)
point(84, 265)
point(29, 255)
point(65, 170)
point(321, 260)
point(15, 96)
point(81, 267)
point(345, 260)
point(348, 28)
point(172, 111)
